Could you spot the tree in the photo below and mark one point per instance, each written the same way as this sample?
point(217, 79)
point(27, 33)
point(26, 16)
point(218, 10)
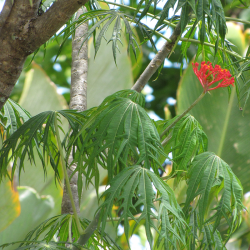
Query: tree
point(119, 136)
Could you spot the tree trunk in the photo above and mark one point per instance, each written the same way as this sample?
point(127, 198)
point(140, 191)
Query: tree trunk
point(78, 99)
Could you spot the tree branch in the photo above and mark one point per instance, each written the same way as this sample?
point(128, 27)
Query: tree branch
point(158, 59)
point(5, 12)
point(23, 32)
point(52, 20)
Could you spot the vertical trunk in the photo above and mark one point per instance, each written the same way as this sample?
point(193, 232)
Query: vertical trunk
point(78, 99)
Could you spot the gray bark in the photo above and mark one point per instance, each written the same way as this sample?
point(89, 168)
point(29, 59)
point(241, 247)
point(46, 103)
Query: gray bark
point(78, 99)
point(157, 60)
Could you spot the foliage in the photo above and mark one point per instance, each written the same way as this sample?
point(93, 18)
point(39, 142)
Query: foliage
point(119, 137)
point(136, 182)
point(126, 133)
point(38, 132)
point(11, 117)
point(107, 135)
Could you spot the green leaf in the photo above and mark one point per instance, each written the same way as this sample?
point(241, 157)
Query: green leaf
point(102, 19)
point(204, 171)
point(211, 239)
point(12, 117)
point(188, 140)
point(39, 133)
point(64, 227)
point(110, 77)
point(117, 134)
point(38, 86)
point(132, 189)
point(164, 13)
point(40, 93)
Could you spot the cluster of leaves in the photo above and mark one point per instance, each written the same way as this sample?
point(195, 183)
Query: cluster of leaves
point(57, 231)
point(205, 17)
point(103, 19)
point(135, 182)
point(36, 133)
point(115, 135)
point(120, 137)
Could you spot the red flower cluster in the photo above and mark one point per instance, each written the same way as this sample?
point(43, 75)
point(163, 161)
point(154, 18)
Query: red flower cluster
point(209, 75)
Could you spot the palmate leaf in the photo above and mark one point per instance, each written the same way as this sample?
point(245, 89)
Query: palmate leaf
point(102, 20)
point(206, 238)
point(37, 134)
point(117, 134)
point(12, 116)
point(215, 18)
point(211, 239)
point(131, 189)
point(188, 140)
point(208, 175)
point(63, 227)
point(40, 245)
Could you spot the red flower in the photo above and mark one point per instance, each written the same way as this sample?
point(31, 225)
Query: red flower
point(208, 75)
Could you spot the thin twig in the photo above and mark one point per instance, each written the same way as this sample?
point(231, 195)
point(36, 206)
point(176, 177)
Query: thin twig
point(166, 140)
point(158, 59)
point(183, 114)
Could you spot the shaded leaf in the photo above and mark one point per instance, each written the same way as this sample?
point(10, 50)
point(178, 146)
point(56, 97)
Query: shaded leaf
point(117, 134)
point(203, 174)
point(135, 183)
point(12, 117)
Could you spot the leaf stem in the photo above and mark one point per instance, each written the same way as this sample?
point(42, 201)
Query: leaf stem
point(166, 140)
point(66, 177)
point(183, 114)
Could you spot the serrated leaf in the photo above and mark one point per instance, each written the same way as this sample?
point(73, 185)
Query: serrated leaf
point(12, 117)
point(204, 169)
point(37, 134)
point(188, 140)
point(135, 183)
point(117, 134)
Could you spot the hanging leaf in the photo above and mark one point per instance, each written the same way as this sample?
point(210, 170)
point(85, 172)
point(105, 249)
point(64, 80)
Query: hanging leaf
point(36, 133)
point(119, 133)
point(132, 189)
point(12, 116)
point(208, 175)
